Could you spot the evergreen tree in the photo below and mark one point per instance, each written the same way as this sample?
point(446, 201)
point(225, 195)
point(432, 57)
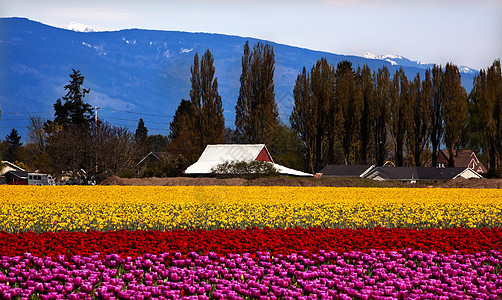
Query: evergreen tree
point(14, 141)
point(381, 118)
point(454, 110)
point(257, 117)
point(209, 122)
point(182, 119)
point(141, 135)
point(74, 111)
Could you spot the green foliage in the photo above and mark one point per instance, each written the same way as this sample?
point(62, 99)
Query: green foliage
point(127, 173)
point(454, 110)
point(13, 140)
point(182, 120)
point(485, 116)
point(166, 166)
point(157, 142)
point(287, 149)
point(208, 121)
point(141, 134)
point(248, 169)
point(256, 110)
point(74, 111)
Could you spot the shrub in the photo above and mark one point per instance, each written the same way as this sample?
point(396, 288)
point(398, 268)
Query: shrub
point(252, 169)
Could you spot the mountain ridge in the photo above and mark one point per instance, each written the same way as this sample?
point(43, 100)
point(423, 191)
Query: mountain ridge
point(135, 73)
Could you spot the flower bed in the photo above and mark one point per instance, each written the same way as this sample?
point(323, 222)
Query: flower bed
point(104, 208)
point(225, 242)
point(249, 243)
point(327, 275)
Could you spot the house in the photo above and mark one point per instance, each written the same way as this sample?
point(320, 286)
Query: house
point(152, 157)
point(346, 170)
point(7, 166)
point(414, 174)
point(215, 155)
point(461, 158)
point(41, 179)
point(16, 177)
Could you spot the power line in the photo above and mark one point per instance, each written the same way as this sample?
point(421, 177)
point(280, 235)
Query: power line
point(136, 113)
point(121, 119)
point(25, 112)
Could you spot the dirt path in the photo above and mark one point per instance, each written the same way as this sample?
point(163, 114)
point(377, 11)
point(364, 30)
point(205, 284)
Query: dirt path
point(297, 181)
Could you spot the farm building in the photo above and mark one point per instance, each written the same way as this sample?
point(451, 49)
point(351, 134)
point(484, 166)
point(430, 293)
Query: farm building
point(16, 177)
point(414, 174)
point(345, 170)
point(461, 158)
point(215, 155)
point(7, 166)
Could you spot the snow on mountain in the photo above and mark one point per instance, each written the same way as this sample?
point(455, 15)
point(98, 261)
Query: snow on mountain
point(389, 57)
point(398, 60)
point(79, 27)
point(145, 71)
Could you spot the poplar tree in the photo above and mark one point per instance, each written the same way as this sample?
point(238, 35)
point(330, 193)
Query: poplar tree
point(328, 111)
point(257, 117)
point(304, 119)
point(420, 92)
point(349, 97)
point(365, 82)
point(380, 121)
point(485, 116)
point(399, 114)
point(454, 110)
point(436, 120)
point(209, 122)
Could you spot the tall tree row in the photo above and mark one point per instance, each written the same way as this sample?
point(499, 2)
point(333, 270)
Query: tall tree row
point(208, 121)
point(485, 115)
point(362, 117)
point(256, 112)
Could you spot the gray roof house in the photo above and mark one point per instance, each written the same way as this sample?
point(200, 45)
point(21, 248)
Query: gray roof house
point(345, 170)
point(414, 174)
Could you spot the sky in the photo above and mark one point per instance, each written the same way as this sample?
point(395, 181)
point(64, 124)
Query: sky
point(465, 32)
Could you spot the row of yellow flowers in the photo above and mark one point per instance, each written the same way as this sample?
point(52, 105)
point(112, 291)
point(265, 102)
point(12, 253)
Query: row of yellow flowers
point(80, 208)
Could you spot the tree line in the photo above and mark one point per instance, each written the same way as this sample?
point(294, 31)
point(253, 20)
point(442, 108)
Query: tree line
point(341, 115)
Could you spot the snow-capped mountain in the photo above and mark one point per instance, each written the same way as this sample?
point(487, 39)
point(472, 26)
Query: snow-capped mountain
point(79, 27)
point(398, 60)
point(138, 73)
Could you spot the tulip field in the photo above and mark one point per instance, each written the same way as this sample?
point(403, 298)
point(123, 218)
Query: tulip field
point(218, 242)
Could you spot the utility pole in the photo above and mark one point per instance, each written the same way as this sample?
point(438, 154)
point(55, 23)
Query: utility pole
point(96, 132)
point(96, 117)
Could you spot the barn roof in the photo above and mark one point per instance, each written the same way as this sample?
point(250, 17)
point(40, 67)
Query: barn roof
point(214, 155)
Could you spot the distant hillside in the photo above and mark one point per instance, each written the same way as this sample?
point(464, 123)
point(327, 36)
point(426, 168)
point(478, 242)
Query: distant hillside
point(141, 73)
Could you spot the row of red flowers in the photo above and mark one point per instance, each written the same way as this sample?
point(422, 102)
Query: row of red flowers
point(223, 242)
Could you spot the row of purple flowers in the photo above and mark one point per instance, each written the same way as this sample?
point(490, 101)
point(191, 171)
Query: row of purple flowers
point(324, 275)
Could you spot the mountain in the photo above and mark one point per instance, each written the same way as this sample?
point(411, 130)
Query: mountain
point(138, 73)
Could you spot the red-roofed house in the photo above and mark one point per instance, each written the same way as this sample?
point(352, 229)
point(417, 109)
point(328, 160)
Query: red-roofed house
point(462, 158)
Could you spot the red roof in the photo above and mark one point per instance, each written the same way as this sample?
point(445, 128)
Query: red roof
point(462, 158)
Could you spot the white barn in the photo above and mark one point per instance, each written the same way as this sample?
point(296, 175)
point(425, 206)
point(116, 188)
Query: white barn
point(214, 155)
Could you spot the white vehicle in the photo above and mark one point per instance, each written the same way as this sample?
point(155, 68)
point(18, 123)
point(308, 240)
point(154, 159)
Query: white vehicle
point(40, 179)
